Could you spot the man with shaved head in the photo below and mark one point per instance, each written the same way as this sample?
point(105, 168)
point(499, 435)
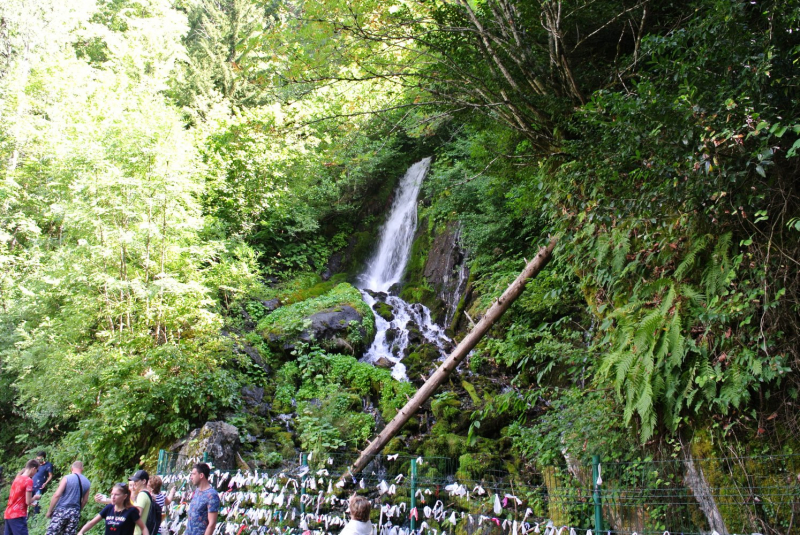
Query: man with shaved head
point(65, 506)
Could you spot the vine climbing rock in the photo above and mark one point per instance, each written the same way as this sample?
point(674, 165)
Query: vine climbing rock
point(219, 440)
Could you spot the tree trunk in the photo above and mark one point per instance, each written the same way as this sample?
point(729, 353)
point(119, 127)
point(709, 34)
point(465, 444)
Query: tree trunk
point(426, 391)
point(696, 481)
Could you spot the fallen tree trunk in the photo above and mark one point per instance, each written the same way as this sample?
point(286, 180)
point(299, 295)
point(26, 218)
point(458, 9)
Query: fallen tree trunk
point(462, 350)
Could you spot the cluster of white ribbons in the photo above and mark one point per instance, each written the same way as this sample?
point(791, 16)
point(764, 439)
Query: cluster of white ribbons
point(301, 502)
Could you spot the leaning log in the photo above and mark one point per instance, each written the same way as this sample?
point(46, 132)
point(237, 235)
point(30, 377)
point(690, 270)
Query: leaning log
point(459, 353)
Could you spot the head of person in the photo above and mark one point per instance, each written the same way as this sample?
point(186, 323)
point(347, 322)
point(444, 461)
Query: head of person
point(41, 457)
point(200, 473)
point(139, 480)
point(77, 467)
point(31, 467)
point(155, 484)
point(359, 508)
point(121, 495)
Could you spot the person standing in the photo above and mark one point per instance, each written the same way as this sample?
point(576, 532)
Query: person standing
point(19, 499)
point(68, 501)
point(204, 507)
point(141, 500)
point(120, 515)
point(359, 517)
point(41, 479)
point(161, 498)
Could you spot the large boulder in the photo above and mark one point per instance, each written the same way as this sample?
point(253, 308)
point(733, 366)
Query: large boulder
point(338, 319)
point(219, 440)
point(333, 323)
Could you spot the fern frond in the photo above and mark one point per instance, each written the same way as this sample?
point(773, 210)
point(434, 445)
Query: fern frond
point(621, 253)
point(648, 328)
point(675, 340)
point(689, 292)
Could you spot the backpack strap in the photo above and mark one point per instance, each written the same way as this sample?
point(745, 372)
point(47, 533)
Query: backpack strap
point(80, 493)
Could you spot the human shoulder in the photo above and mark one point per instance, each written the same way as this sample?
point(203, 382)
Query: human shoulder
point(132, 513)
point(143, 499)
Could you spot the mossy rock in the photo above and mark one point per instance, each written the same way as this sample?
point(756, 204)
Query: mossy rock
point(446, 406)
point(420, 362)
point(338, 319)
point(384, 310)
point(473, 465)
point(360, 246)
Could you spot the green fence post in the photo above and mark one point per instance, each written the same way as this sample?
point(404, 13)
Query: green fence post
point(598, 504)
point(413, 492)
point(160, 465)
point(304, 462)
point(205, 456)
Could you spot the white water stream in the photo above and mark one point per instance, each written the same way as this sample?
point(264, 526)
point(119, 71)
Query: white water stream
point(385, 269)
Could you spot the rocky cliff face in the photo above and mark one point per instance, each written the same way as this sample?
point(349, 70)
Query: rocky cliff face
point(446, 269)
point(437, 273)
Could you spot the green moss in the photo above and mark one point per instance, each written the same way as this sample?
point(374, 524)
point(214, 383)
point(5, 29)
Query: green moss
point(446, 406)
point(419, 253)
point(473, 394)
point(420, 362)
point(385, 310)
point(363, 243)
point(291, 319)
point(472, 466)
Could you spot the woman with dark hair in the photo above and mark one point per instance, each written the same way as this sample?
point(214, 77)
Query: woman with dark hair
point(120, 515)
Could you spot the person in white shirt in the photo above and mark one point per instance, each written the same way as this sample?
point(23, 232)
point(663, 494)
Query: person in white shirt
point(359, 517)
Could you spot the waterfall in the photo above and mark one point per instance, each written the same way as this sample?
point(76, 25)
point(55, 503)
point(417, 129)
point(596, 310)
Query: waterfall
point(389, 261)
point(408, 324)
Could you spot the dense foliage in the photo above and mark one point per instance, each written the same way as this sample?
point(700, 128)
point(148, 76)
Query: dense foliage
point(184, 180)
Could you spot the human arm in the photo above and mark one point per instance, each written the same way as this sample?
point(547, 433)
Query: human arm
point(212, 523)
point(84, 499)
point(102, 498)
point(213, 513)
point(47, 481)
point(142, 527)
point(56, 496)
point(90, 524)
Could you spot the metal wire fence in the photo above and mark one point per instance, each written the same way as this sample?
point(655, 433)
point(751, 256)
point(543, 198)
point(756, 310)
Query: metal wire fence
point(687, 496)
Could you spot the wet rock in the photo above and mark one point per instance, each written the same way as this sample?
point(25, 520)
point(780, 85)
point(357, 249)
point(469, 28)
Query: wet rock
point(391, 334)
point(219, 439)
point(383, 362)
point(414, 335)
point(384, 310)
point(420, 361)
point(445, 269)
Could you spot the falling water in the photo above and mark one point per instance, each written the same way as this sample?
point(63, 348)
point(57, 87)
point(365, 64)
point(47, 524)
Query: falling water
point(385, 269)
point(387, 264)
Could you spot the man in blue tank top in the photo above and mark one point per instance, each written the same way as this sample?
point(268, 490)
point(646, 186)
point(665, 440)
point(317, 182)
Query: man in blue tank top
point(66, 504)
